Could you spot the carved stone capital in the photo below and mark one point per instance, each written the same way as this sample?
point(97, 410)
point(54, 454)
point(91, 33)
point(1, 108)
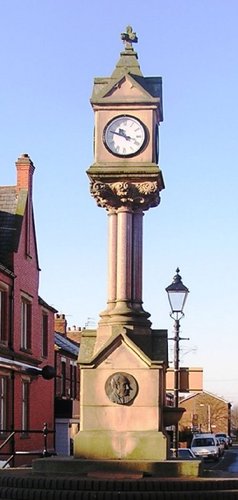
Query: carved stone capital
point(143, 195)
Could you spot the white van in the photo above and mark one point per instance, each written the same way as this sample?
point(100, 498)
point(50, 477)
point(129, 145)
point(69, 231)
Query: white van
point(205, 446)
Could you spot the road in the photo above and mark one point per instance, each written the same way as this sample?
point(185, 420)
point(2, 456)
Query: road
point(227, 465)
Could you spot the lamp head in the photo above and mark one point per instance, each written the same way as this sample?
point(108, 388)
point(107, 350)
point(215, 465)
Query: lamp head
point(177, 294)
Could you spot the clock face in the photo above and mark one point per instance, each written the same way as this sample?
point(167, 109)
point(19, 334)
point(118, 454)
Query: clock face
point(124, 136)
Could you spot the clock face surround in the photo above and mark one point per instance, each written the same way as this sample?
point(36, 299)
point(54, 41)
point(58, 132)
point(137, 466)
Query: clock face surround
point(124, 136)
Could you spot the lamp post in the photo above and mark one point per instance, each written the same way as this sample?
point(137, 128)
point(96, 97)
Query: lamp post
point(177, 295)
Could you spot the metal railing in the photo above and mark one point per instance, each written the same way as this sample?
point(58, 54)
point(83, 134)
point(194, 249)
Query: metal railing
point(10, 439)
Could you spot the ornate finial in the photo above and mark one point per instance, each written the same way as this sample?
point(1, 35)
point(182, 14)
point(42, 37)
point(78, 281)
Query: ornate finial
point(129, 37)
point(177, 278)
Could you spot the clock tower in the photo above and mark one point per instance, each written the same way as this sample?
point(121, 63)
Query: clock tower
point(123, 362)
point(125, 179)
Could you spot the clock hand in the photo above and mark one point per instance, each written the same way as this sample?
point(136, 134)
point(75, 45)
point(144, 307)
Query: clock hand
point(127, 137)
point(121, 133)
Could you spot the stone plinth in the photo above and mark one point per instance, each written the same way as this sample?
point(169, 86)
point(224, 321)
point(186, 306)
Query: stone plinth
point(112, 445)
point(73, 466)
point(125, 426)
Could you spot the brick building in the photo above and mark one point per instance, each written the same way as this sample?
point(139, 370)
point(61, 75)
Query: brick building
point(26, 323)
point(67, 383)
point(205, 412)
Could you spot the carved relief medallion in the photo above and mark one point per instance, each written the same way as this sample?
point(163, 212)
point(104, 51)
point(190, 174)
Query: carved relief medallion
point(121, 388)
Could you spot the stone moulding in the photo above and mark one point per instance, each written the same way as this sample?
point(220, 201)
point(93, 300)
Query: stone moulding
point(90, 359)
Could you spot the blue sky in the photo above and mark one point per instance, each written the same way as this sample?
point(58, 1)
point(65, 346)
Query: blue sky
point(50, 52)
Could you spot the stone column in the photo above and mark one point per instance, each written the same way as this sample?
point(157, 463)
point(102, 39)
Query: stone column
point(124, 257)
point(137, 259)
point(112, 259)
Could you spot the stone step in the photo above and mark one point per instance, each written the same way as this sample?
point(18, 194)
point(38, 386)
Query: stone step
point(8, 493)
point(23, 485)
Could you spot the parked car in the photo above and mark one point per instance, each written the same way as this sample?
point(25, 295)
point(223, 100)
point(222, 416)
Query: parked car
point(186, 454)
point(222, 444)
point(227, 439)
point(230, 440)
point(205, 446)
point(183, 454)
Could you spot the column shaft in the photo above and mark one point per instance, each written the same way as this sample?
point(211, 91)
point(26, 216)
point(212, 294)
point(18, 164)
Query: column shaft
point(112, 258)
point(137, 258)
point(124, 255)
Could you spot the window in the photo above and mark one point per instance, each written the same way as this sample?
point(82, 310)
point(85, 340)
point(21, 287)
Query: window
point(3, 403)
point(3, 315)
point(25, 406)
point(63, 377)
point(204, 442)
point(45, 335)
point(26, 314)
point(73, 380)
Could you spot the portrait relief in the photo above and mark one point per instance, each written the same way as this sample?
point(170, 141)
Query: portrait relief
point(121, 388)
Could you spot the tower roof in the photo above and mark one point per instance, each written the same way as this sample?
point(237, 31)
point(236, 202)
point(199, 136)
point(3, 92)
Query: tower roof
point(128, 62)
point(128, 68)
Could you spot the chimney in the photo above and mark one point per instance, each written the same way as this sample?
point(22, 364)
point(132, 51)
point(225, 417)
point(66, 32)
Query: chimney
point(74, 333)
point(25, 170)
point(60, 323)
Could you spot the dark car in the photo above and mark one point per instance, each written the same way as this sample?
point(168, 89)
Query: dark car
point(230, 440)
point(184, 454)
point(227, 439)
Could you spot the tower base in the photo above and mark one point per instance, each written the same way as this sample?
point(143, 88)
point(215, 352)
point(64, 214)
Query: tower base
point(113, 445)
point(110, 468)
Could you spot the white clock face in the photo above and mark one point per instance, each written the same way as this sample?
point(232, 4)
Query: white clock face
point(124, 136)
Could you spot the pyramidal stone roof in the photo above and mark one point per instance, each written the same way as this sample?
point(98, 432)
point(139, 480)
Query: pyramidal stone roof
point(128, 65)
point(128, 62)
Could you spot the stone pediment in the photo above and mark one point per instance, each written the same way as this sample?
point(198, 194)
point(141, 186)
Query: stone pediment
point(121, 351)
point(125, 89)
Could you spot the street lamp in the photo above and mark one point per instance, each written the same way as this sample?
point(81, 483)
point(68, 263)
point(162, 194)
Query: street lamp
point(177, 295)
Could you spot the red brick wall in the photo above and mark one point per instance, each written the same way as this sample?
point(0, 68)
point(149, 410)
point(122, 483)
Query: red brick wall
point(26, 270)
point(41, 404)
point(6, 284)
point(210, 411)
